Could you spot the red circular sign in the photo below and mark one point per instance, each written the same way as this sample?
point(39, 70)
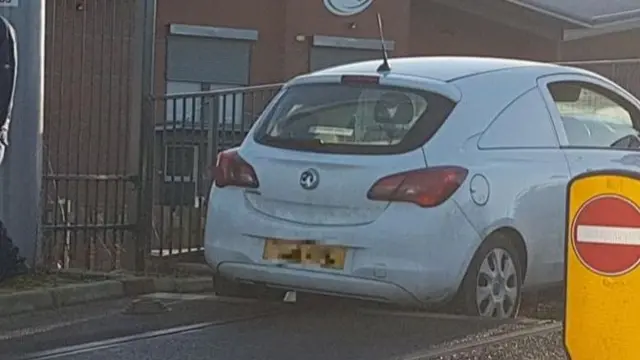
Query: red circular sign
point(606, 235)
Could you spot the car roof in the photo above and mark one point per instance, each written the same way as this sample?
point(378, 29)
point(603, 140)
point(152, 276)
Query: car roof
point(443, 68)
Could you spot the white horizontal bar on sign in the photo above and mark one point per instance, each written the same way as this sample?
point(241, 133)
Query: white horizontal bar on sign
point(9, 3)
point(611, 235)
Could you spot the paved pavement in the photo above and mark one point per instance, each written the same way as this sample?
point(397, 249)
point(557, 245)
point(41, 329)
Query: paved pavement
point(203, 327)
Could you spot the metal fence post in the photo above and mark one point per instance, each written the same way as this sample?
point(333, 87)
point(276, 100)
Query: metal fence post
point(142, 118)
point(212, 126)
point(22, 171)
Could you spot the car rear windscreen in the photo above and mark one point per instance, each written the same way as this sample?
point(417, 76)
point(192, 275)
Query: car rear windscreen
point(353, 118)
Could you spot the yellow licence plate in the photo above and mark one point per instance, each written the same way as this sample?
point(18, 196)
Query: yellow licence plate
point(305, 253)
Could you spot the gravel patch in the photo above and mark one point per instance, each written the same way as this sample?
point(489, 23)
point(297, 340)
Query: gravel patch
point(548, 310)
point(539, 347)
point(500, 330)
point(547, 305)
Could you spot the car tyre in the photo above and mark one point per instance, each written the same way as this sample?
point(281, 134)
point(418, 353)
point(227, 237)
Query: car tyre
point(492, 286)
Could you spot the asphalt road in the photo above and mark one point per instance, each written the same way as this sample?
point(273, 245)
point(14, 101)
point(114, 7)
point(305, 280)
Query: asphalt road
point(203, 327)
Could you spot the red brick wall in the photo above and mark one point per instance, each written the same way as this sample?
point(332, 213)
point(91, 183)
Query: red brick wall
point(309, 17)
point(277, 55)
point(440, 30)
point(611, 46)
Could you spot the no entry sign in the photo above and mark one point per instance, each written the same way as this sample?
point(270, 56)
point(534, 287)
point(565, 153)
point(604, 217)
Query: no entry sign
point(606, 234)
point(602, 254)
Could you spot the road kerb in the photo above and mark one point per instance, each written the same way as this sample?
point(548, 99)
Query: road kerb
point(73, 294)
point(137, 286)
point(194, 285)
point(25, 301)
point(83, 293)
point(164, 284)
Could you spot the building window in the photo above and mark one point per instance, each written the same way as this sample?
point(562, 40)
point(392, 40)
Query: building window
point(187, 110)
point(180, 163)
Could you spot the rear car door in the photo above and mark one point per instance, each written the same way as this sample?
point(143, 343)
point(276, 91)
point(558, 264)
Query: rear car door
point(597, 122)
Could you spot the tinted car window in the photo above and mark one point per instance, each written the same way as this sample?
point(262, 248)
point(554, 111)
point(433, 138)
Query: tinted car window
point(340, 118)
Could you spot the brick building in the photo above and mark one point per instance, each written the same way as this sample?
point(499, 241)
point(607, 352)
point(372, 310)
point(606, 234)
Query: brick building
point(254, 42)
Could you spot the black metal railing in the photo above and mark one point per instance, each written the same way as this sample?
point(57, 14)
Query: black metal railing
point(190, 130)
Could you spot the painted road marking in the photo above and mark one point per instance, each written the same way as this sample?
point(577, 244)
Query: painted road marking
point(170, 299)
point(23, 332)
point(105, 344)
point(93, 346)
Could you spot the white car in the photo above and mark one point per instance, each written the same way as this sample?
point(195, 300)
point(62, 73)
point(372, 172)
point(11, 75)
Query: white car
point(441, 179)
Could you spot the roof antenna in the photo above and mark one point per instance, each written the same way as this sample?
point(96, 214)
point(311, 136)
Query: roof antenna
point(384, 67)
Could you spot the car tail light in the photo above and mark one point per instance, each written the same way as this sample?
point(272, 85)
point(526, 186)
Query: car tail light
point(425, 187)
point(233, 170)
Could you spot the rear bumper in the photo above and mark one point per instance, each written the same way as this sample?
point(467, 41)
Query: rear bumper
point(408, 254)
point(317, 282)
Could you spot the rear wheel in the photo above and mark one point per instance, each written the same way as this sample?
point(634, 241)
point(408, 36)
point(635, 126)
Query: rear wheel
point(492, 286)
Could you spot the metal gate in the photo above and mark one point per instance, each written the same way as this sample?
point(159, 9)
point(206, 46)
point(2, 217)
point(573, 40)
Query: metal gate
point(89, 184)
point(189, 131)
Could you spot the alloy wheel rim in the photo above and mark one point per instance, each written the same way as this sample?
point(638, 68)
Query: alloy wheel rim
point(497, 285)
